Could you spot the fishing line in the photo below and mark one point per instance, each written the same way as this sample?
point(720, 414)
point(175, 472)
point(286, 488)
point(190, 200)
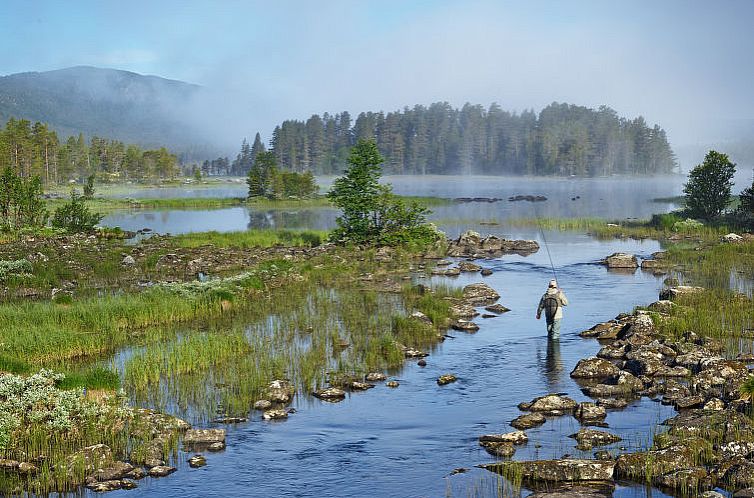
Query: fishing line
point(544, 240)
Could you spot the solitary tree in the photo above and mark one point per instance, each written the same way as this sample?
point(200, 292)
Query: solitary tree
point(371, 213)
point(708, 189)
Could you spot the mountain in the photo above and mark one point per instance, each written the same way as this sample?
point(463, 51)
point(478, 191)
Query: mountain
point(135, 108)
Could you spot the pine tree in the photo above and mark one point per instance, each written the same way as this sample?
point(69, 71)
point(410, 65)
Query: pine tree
point(709, 186)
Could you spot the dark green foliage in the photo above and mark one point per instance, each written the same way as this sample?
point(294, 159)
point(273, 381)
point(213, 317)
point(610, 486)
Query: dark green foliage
point(21, 203)
point(75, 216)
point(89, 187)
point(562, 140)
point(265, 180)
point(33, 150)
point(708, 189)
point(747, 201)
point(371, 213)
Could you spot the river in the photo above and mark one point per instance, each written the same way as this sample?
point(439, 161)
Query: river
point(405, 442)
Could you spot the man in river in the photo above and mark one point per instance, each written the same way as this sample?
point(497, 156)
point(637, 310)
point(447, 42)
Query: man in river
point(552, 303)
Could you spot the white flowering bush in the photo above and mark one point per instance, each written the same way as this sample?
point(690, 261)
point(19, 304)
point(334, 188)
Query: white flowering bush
point(35, 400)
point(14, 268)
point(227, 285)
point(687, 225)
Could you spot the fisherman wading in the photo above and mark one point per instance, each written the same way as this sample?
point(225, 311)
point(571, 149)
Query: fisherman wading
point(552, 303)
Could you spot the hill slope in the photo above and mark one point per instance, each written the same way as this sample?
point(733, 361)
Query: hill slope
point(109, 103)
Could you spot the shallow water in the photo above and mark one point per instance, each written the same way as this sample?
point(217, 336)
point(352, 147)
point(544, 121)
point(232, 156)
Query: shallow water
point(404, 442)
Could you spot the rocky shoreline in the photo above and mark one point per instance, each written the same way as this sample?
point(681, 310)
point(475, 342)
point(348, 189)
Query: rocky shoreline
point(709, 444)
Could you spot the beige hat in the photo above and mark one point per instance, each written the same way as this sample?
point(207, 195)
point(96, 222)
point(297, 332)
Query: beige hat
point(553, 283)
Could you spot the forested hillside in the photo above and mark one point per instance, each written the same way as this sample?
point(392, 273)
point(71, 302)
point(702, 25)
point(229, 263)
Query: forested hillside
point(134, 108)
point(562, 140)
point(35, 150)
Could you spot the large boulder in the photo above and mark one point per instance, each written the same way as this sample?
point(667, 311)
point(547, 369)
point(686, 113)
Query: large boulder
point(204, 436)
point(594, 368)
point(621, 260)
point(588, 412)
point(471, 244)
point(565, 470)
point(528, 421)
point(636, 465)
point(673, 293)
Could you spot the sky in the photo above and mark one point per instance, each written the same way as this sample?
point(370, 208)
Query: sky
point(684, 64)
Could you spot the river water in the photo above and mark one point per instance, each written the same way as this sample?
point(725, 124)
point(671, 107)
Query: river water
point(404, 442)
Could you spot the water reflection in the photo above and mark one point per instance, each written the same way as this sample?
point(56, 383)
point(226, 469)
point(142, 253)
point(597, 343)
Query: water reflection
point(553, 362)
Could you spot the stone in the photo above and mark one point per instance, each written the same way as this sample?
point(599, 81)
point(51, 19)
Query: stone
point(452, 272)
point(116, 471)
point(106, 486)
point(468, 267)
point(588, 438)
point(552, 402)
point(714, 404)
point(446, 379)
point(621, 260)
point(694, 478)
point(635, 465)
point(204, 436)
point(462, 310)
point(27, 468)
point(375, 377)
point(414, 353)
point(497, 308)
point(594, 368)
point(574, 492)
point(528, 421)
point(612, 403)
point(137, 473)
point(688, 402)
point(230, 420)
point(215, 447)
point(736, 449)
point(612, 352)
point(711, 494)
point(91, 458)
point(279, 391)
point(161, 471)
point(744, 493)
point(262, 404)
point(662, 306)
point(418, 315)
point(680, 290)
point(498, 448)
point(740, 474)
point(275, 414)
point(197, 461)
point(589, 412)
point(565, 470)
point(480, 294)
point(464, 326)
point(486, 272)
point(360, 386)
point(515, 437)
point(128, 260)
point(731, 238)
point(392, 383)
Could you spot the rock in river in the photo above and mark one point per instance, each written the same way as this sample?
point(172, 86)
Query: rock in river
point(332, 394)
point(565, 470)
point(161, 471)
point(621, 260)
point(497, 308)
point(204, 436)
point(480, 294)
point(528, 421)
point(587, 438)
point(515, 437)
point(498, 448)
point(590, 412)
point(464, 326)
point(197, 461)
point(446, 379)
point(375, 377)
point(552, 403)
point(594, 368)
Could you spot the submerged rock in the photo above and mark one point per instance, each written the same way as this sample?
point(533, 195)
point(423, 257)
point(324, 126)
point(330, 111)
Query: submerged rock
point(498, 448)
point(375, 377)
point(392, 383)
point(332, 394)
point(161, 471)
point(497, 308)
point(464, 326)
point(552, 403)
point(590, 412)
point(204, 436)
point(275, 414)
point(197, 461)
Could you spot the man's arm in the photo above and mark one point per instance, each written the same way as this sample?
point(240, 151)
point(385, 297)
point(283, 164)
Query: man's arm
point(563, 299)
point(540, 307)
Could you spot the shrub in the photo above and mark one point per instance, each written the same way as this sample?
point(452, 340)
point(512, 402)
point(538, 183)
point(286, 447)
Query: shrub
point(75, 216)
point(21, 204)
point(687, 225)
point(14, 268)
point(89, 187)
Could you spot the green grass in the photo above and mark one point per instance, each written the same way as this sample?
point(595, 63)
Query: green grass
point(252, 238)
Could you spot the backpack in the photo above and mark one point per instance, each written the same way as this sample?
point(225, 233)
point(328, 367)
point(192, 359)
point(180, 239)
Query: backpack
point(550, 304)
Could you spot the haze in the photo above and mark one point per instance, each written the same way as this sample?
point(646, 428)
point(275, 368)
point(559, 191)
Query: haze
point(685, 65)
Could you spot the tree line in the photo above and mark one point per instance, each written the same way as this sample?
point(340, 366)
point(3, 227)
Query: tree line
point(561, 140)
point(31, 150)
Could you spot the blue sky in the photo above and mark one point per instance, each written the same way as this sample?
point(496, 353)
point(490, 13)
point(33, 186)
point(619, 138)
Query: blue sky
point(684, 64)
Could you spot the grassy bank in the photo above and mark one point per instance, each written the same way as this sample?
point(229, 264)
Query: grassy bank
point(253, 238)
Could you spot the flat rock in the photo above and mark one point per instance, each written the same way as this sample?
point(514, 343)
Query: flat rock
point(161, 471)
point(621, 260)
point(515, 437)
point(498, 448)
point(552, 402)
point(275, 414)
point(528, 421)
point(464, 326)
point(565, 470)
point(446, 379)
point(589, 412)
point(375, 377)
point(330, 394)
point(197, 461)
point(497, 308)
point(588, 438)
point(262, 404)
point(204, 436)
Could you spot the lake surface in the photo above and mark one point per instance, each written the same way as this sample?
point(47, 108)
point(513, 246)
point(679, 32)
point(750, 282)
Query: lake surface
point(404, 442)
point(608, 198)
